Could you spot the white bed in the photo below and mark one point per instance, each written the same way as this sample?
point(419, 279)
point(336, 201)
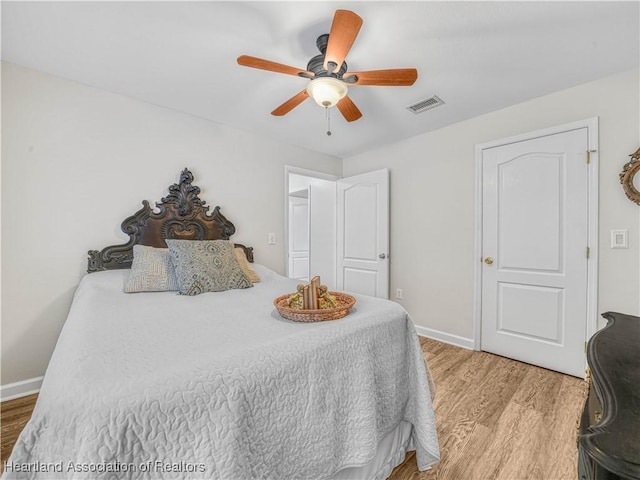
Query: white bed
point(219, 386)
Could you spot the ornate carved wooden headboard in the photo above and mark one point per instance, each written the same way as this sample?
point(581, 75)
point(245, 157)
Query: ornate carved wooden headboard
point(180, 215)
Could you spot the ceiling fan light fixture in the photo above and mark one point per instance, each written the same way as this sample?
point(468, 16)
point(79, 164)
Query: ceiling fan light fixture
point(328, 73)
point(327, 91)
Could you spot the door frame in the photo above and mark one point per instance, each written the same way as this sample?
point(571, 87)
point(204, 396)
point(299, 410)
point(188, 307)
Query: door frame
point(307, 173)
point(591, 124)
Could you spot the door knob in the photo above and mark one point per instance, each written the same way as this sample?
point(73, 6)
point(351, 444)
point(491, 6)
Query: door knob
point(382, 256)
point(488, 260)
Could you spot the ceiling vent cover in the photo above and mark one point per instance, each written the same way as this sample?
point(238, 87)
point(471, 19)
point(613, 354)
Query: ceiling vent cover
point(424, 105)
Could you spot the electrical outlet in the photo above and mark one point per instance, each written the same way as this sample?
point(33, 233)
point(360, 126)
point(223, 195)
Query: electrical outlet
point(619, 238)
point(272, 239)
point(398, 294)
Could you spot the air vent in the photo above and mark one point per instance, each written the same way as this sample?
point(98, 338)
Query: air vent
point(424, 105)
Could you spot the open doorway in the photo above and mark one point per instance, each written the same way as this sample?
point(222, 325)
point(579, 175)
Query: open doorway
point(310, 219)
point(338, 229)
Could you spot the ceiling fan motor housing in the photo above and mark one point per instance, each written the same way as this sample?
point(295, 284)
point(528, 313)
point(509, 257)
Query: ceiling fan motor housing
point(316, 64)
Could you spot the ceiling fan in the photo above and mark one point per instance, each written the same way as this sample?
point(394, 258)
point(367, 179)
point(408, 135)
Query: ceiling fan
point(328, 74)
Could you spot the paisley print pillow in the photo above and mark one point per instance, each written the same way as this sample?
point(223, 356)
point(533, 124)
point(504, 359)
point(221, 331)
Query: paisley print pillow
point(206, 266)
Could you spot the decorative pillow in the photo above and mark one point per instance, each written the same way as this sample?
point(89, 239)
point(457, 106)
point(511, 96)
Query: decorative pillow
point(245, 265)
point(151, 271)
point(206, 266)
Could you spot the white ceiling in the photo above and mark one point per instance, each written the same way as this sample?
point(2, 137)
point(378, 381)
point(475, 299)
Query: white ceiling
point(476, 56)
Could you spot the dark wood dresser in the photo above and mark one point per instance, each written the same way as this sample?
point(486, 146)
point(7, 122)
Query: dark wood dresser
point(609, 437)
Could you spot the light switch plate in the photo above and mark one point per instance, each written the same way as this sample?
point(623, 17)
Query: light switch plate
point(619, 238)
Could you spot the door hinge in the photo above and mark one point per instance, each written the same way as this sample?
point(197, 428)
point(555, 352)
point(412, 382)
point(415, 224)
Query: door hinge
point(589, 152)
point(585, 347)
point(588, 252)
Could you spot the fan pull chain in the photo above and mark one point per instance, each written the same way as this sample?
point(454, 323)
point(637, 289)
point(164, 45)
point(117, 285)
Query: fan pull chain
point(328, 120)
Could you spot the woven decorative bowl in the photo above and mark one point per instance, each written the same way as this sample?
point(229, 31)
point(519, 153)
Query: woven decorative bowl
point(344, 302)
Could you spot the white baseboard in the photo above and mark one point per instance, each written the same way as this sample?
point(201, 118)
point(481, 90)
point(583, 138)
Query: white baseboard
point(20, 389)
point(462, 342)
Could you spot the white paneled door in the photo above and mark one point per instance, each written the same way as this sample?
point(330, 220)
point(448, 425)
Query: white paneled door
point(299, 237)
point(534, 244)
point(363, 234)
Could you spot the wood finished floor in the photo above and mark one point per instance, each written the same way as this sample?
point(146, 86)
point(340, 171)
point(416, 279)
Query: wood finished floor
point(14, 415)
point(497, 419)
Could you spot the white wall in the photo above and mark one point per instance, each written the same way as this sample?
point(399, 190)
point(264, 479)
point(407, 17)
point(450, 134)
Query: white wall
point(432, 200)
point(77, 160)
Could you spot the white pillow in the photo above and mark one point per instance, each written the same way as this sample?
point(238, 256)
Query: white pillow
point(151, 271)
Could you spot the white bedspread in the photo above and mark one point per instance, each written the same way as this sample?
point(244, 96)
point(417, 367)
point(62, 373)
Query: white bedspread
point(157, 385)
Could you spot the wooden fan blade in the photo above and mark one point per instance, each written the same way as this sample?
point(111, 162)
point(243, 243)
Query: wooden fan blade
point(398, 77)
point(348, 109)
point(290, 104)
point(255, 62)
point(344, 30)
